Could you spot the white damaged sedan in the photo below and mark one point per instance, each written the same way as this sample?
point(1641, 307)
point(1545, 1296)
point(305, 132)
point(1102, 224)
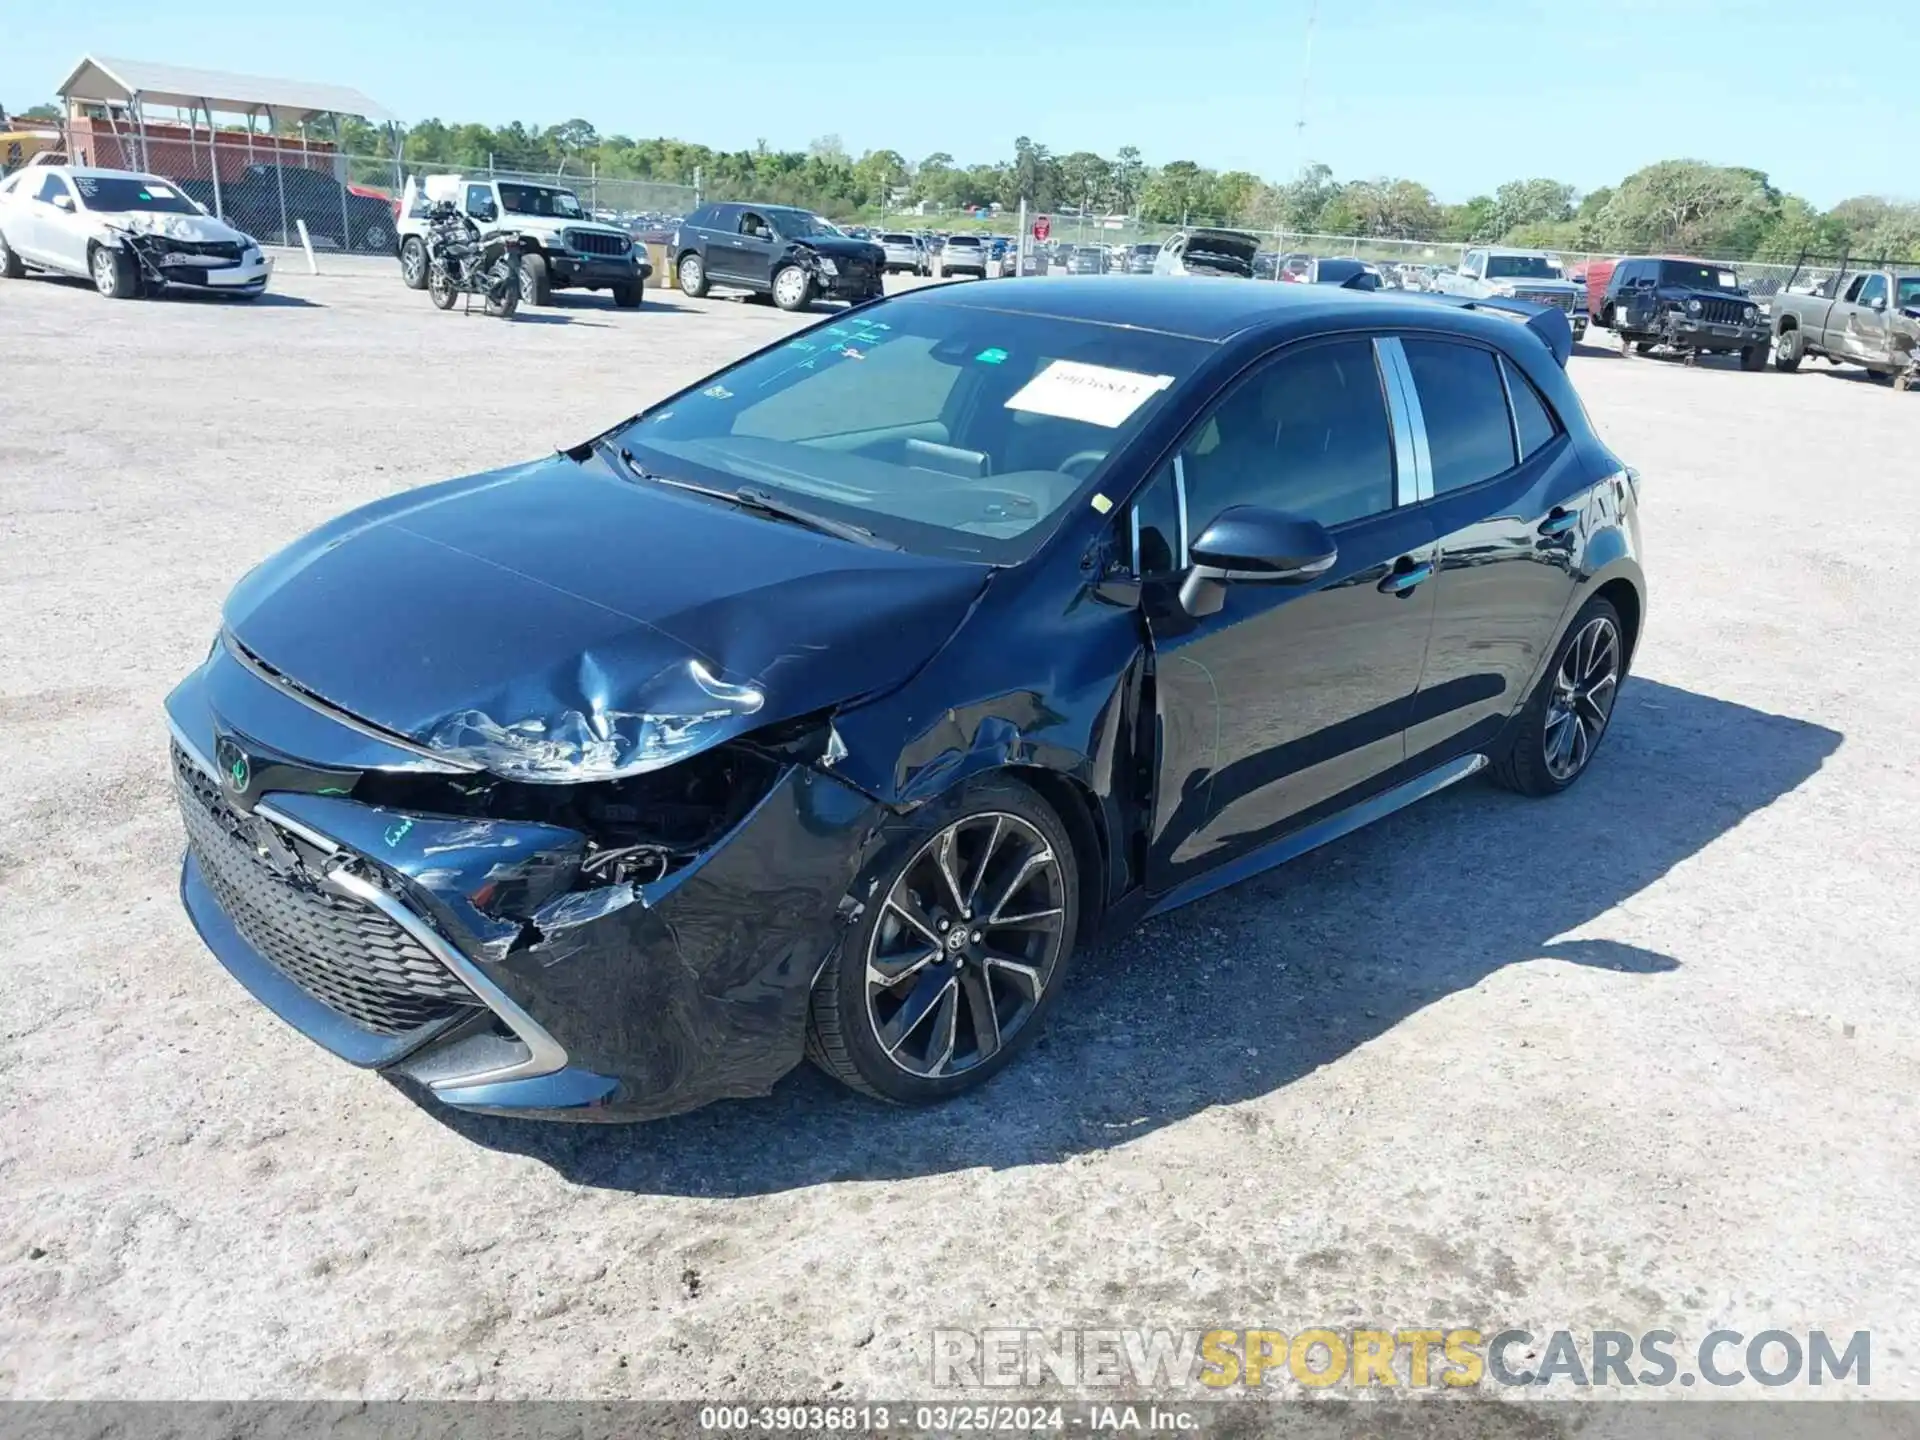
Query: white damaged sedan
point(131, 234)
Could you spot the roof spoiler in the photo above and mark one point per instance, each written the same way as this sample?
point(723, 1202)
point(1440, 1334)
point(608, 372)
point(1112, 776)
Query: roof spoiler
point(1548, 323)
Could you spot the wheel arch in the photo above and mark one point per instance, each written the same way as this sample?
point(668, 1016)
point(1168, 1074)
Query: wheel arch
point(1787, 322)
point(1079, 810)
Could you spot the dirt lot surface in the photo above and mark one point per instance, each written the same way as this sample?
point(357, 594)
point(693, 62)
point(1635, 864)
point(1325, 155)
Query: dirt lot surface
point(1643, 1056)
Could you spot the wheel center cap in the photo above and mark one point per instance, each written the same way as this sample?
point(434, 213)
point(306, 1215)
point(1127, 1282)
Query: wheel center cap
point(956, 939)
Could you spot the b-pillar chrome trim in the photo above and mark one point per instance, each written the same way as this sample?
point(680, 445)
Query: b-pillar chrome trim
point(1413, 462)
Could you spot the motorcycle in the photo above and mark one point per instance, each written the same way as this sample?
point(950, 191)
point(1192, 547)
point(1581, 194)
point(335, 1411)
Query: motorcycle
point(464, 260)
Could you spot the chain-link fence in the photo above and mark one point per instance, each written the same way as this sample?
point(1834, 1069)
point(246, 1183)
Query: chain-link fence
point(274, 187)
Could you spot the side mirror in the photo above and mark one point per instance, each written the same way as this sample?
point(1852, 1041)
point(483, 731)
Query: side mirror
point(63, 202)
point(1252, 545)
point(1879, 302)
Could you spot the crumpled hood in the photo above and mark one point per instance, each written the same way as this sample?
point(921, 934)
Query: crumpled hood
point(201, 228)
point(843, 247)
point(556, 622)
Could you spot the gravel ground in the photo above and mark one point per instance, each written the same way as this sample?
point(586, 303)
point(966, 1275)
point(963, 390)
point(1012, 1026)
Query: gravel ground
point(1643, 1056)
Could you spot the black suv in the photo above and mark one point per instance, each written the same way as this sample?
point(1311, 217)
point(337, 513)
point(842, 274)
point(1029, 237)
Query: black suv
point(1691, 306)
point(776, 250)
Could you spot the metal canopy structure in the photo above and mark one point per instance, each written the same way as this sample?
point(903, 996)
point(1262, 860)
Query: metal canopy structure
point(135, 83)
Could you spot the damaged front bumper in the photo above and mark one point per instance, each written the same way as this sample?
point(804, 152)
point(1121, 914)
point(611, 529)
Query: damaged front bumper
point(482, 958)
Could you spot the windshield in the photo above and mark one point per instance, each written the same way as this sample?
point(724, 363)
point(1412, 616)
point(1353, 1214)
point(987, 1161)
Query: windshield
point(1681, 275)
point(946, 429)
point(798, 224)
point(117, 194)
point(1522, 267)
point(539, 200)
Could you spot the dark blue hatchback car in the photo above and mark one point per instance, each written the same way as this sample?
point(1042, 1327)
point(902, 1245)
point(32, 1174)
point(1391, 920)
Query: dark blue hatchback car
point(828, 706)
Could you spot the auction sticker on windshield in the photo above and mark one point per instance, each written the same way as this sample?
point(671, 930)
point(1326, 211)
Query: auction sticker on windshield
point(1097, 394)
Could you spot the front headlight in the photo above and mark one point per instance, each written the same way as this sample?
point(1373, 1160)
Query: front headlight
point(1508, 291)
point(1693, 307)
point(1750, 314)
point(827, 267)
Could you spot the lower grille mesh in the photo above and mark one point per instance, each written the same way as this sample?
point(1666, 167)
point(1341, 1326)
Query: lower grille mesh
point(347, 955)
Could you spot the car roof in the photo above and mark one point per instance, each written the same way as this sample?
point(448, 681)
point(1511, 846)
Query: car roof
point(101, 172)
point(1208, 309)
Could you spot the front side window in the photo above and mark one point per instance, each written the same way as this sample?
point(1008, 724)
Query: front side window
point(1874, 289)
point(52, 188)
point(479, 200)
point(540, 200)
point(755, 225)
point(1469, 435)
point(945, 429)
point(1306, 433)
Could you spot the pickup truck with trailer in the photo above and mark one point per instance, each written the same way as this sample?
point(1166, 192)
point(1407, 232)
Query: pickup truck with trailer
point(1865, 313)
point(1498, 272)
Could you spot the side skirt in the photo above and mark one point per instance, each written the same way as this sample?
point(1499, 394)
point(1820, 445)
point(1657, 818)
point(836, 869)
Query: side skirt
point(1312, 837)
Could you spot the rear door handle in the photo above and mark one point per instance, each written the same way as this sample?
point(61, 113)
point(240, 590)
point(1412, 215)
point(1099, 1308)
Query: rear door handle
point(1559, 521)
point(1406, 574)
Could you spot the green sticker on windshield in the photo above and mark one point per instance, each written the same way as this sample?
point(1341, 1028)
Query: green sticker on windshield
point(995, 356)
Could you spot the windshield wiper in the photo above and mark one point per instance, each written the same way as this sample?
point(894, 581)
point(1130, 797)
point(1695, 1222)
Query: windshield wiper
point(751, 497)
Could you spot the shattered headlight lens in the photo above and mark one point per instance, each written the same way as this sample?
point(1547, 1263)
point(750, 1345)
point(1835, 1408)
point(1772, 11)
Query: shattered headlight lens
point(827, 267)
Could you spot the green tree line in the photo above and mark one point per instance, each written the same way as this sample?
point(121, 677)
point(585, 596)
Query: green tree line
point(1673, 205)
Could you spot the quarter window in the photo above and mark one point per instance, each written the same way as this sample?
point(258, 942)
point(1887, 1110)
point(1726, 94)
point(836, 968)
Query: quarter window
point(1469, 435)
point(1306, 433)
point(1531, 418)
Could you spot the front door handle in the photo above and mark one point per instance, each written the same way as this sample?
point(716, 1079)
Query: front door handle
point(1405, 575)
point(1559, 521)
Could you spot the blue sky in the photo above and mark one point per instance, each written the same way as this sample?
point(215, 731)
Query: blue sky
point(1459, 95)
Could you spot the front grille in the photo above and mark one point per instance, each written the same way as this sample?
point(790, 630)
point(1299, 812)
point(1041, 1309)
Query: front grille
point(347, 955)
point(1548, 297)
point(228, 250)
point(592, 242)
point(1724, 312)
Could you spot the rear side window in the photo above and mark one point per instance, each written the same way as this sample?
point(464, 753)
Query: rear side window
point(1531, 417)
point(705, 217)
point(1465, 408)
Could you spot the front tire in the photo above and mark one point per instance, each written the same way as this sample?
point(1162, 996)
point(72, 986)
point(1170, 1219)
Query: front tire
point(693, 276)
point(1789, 350)
point(536, 281)
point(630, 297)
point(10, 266)
point(1753, 358)
point(413, 263)
point(1553, 739)
point(961, 952)
point(440, 287)
point(114, 273)
point(792, 288)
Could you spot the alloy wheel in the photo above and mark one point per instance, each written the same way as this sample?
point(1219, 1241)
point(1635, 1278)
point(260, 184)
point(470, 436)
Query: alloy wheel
point(1582, 699)
point(690, 274)
point(969, 938)
point(413, 262)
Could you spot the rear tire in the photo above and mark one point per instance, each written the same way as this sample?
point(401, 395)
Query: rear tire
point(693, 275)
point(536, 281)
point(1788, 351)
point(413, 263)
point(114, 273)
point(1551, 742)
point(1001, 831)
point(10, 266)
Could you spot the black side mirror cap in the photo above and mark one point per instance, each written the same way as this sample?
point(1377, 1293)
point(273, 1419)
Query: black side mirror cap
point(1252, 545)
